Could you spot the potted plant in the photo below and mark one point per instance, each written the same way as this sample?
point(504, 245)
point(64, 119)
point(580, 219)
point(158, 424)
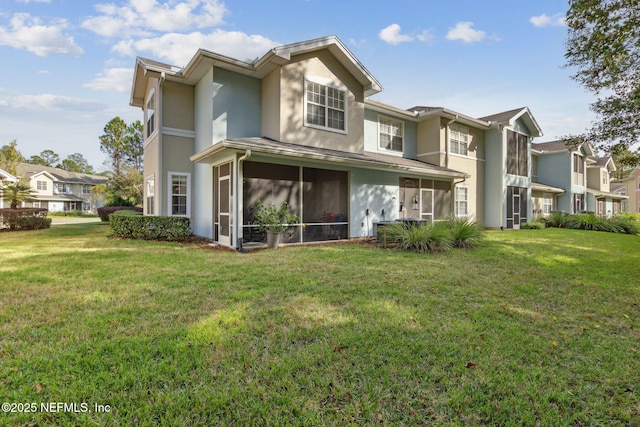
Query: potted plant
point(274, 221)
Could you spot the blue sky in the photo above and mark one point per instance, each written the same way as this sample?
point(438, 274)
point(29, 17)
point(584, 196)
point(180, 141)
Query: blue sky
point(67, 65)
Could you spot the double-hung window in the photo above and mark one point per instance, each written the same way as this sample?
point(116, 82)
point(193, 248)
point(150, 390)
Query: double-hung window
point(325, 106)
point(547, 204)
point(462, 201)
point(391, 134)
point(605, 177)
point(459, 140)
point(179, 194)
point(41, 185)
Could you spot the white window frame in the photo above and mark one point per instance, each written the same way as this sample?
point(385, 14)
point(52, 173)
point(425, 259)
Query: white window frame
point(547, 204)
point(170, 194)
point(399, 124)
point(86, 189)
point(150, 120)
point(41, 185)
point(459, 202)
point(459, 137)
point(307, 102)
point(605, 177)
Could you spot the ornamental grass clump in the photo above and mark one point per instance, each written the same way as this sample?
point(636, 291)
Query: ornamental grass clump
point(434, 237)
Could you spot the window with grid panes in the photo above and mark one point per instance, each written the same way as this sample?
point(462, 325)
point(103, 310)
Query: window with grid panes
point(179, 195)
point(459, 140)
point(462, 201)
point(325, 106)
point(390, 134)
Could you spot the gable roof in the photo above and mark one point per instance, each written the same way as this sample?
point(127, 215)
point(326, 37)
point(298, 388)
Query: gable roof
point(510, 117)
point(603, 162)
point(6, 176)
point(30, 171)
point(203, 60)
point(561, 145)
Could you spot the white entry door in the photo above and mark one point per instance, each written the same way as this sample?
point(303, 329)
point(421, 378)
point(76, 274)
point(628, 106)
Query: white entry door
point(224, 214)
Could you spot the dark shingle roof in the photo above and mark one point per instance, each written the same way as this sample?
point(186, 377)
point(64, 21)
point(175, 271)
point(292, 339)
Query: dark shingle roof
point(600, 162)
point(27, 170)
point(550, 146)
point(505, 116)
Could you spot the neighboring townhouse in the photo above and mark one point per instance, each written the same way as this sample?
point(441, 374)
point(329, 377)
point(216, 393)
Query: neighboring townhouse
point(601, 199)
point(296, 125)
point(563, 171)
point(59, 190)
point(632, 190)
point(5, 178)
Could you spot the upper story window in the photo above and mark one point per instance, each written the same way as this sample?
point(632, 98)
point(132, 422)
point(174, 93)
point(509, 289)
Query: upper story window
point(517, 154)
point(578, 169)
point(86, 189)
point(41, 185)
point(605, 177)
point(325, 106)
point(459, 140)
point(62, 188)
point(150, 112)
point(390, 134)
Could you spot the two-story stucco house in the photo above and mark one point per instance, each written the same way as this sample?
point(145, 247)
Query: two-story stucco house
point(601, 199)
point(632, 190)
point(296, 125)
point(5, 178)
point(564, 170)
point(59, 190)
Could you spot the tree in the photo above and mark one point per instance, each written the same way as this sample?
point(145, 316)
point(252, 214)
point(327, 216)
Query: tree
point(604, 44)
point(45, 158)
point(17, 192)
point(10, 157)
point(124, 145)
point(76, 163)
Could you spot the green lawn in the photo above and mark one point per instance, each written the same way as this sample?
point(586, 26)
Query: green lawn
point(535, 327)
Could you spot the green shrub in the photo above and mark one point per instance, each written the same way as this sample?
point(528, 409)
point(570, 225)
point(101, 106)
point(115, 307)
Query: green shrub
point(626, 224)
point(66, 213)
point(556, 219)
point(24, 218)
point(105, 211)
point(420, 237)
point(132, 226)
point(534, 225)
point(127, 212)
point(586, 221)
point(464, 233)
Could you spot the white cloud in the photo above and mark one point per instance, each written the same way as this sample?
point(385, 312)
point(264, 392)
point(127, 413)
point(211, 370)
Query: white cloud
point(544, 20)
point(143, 17)
point(112, 80)
point(49, 102)
point(31, 34)
point(426, 37)
point(178, 49)
point(392, 35)
point(464, 32)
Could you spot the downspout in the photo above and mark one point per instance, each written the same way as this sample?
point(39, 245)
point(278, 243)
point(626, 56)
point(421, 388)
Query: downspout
point(240, 198)
point(446, 141)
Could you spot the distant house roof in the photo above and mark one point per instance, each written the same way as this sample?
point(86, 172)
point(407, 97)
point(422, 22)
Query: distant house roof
point(366, 159)
point(618, 187)
point(28, 170)
point(6, 176)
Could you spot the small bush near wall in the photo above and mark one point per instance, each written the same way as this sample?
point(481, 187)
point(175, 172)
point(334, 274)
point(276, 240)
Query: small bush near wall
point(105, 211)
point(132, 226)
point(24, 218)
point(589, 221)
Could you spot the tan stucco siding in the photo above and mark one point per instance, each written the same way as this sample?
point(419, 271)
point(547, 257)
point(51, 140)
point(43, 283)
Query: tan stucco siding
point(271, 105)
point(177, 106)
point(475, 183)
point(324, 67)
point(430, 147)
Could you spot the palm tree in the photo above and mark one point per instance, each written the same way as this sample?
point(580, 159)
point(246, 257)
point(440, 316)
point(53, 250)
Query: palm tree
point(17, 192)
